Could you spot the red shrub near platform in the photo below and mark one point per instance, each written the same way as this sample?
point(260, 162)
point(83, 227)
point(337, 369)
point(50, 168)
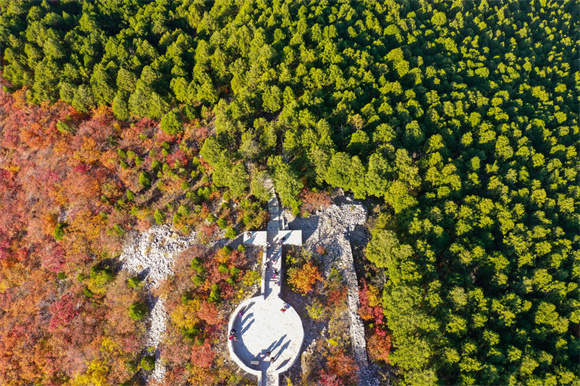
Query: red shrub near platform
point(209, 313)
point(202, 355)
point(342, 365)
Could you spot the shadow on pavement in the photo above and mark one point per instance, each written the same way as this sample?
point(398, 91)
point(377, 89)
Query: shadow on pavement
point(247, 326)
point(308, 225)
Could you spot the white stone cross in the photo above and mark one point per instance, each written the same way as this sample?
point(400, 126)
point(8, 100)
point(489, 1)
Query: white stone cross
point(265, 332)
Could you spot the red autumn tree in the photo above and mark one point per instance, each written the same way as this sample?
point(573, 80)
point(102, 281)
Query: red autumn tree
point(62, 312)
point(202, 355)
point(342, 366)
point(365, 310)
point(379, 347)
point(327, 379)
point(313, 201)
point(209, 313)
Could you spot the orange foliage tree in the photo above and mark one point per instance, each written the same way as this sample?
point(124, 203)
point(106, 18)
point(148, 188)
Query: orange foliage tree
point(379, 347)
point(303, 279)
point(313, 201)
point(202, 355)
point(339, 365)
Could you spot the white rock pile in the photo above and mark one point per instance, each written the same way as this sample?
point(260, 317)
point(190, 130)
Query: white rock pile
point(150, 255)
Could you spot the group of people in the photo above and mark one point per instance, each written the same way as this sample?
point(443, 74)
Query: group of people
point(275, 272)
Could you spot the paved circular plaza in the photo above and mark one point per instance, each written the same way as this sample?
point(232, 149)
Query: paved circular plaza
point(262, 328)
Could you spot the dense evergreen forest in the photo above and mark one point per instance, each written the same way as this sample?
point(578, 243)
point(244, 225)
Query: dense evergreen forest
point(459, 117)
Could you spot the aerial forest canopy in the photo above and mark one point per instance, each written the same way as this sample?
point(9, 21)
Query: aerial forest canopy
point(460, 116)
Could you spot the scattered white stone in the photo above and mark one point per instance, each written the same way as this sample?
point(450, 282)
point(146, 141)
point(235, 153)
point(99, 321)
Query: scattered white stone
point(158, 317)
point(150, 255)
point(155, 334)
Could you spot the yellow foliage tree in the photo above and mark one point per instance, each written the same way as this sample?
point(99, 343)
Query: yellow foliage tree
point(185, 315)
point(96, 375)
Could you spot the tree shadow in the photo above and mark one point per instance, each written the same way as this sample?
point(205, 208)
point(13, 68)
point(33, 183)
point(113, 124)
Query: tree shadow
point(143, 274)
point(359, 236)
point(235, 242)
point(151, 300)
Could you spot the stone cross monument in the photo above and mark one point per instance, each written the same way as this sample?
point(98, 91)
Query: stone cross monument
point(265, 332)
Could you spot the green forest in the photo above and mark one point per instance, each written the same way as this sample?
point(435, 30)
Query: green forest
point(458, 119)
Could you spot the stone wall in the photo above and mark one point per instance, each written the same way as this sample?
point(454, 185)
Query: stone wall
point(330, 228)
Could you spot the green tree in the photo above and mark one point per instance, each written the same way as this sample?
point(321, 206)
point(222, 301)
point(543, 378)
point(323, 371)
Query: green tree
point(287, 184)
point(138, 310)
point(171, 123)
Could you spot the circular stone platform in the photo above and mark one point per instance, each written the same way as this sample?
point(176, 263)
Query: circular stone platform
point(264, 327)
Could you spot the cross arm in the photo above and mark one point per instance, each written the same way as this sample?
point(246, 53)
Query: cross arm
point(259, 238)
point(290, 237)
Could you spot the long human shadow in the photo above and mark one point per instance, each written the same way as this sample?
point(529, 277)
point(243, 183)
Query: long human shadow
point(267, 288)
point(242, 322)
point(248, 326)
point(266, 365)
point(282, 349)
point(240, 347)
point(247, 307)
point(283, 364)
point(274, 345)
